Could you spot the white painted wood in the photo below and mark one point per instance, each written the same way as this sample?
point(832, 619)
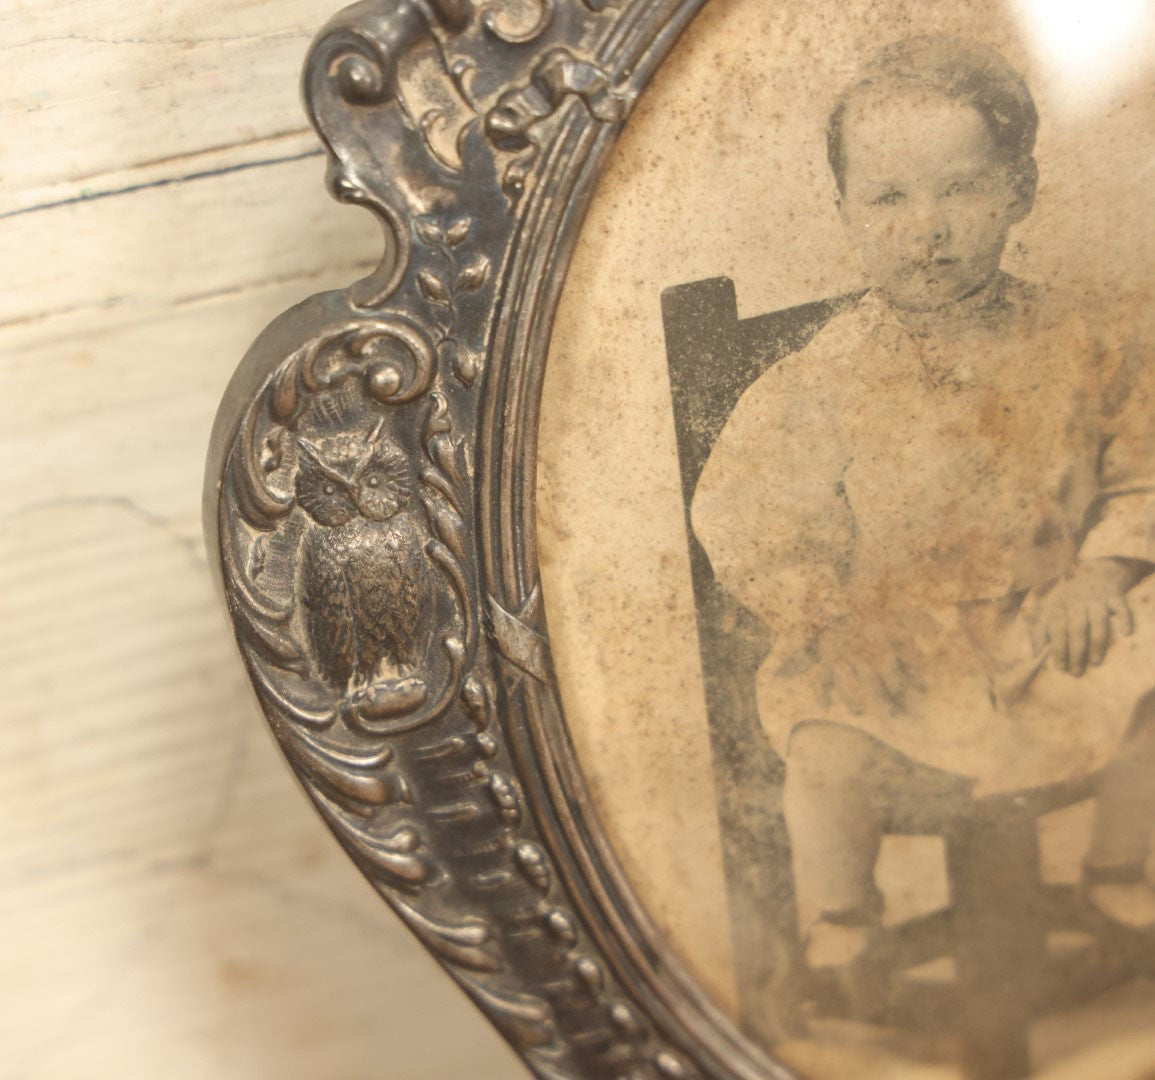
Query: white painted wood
point(169, 906)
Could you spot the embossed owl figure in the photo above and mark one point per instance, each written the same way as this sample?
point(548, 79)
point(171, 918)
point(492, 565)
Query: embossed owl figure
point(364, 576)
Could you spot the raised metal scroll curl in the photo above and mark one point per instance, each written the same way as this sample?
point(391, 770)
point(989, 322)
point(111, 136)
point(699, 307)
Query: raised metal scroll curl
point(388, 165)
point(508, 31)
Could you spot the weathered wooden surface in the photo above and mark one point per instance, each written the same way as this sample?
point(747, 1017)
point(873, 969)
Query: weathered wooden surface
point(169, 905)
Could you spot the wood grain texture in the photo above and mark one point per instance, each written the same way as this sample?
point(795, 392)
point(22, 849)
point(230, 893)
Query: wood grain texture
point(169, 905)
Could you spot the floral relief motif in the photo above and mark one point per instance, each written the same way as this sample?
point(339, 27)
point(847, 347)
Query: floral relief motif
point(445, 287)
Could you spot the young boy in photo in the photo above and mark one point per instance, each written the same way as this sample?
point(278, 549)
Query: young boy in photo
point(944, 507)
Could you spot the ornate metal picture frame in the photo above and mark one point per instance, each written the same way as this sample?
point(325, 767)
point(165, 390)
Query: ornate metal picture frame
point(371, 505)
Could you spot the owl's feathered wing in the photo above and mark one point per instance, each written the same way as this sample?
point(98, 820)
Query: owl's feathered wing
point(366, 594)
point(392, 594)
point(328, 602)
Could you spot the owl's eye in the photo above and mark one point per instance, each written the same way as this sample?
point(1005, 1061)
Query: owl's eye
point(374, 481)
point(328, 489)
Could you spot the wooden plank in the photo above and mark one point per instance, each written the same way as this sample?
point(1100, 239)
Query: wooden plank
point(92, 89)
point(180, 242)
point(120, 343)
point(169, 905)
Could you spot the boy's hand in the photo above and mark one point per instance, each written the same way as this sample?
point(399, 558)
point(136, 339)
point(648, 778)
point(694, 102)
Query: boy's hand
point(867, 669)
point(1078, 615)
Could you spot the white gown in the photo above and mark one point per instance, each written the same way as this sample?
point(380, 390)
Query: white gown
point(931, 480)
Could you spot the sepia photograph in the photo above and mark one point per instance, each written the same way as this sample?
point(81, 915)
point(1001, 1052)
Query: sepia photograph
point(852, 475)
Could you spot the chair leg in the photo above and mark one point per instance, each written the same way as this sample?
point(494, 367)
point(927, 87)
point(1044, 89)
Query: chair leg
point(994, 874)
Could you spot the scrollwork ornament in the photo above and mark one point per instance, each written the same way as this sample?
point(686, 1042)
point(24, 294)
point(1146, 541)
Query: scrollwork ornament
point(495, 22)
point(368, 510)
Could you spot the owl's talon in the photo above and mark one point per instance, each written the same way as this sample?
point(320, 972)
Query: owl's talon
point(392, 698)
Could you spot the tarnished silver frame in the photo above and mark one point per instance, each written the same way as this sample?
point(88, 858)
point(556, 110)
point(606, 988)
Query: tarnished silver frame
point(453, 786)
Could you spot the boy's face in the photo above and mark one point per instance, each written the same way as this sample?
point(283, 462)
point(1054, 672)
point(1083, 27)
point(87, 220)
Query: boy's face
point(927, 199)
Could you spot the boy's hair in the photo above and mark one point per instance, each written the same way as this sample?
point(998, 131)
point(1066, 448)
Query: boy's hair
point(959, 70)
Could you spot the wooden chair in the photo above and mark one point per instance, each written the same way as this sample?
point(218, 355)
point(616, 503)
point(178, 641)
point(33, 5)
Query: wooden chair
point(713, 356)
point(999, 924)
point(999, 930)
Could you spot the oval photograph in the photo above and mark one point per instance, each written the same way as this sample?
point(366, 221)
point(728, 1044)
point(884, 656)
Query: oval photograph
point(846, 514)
